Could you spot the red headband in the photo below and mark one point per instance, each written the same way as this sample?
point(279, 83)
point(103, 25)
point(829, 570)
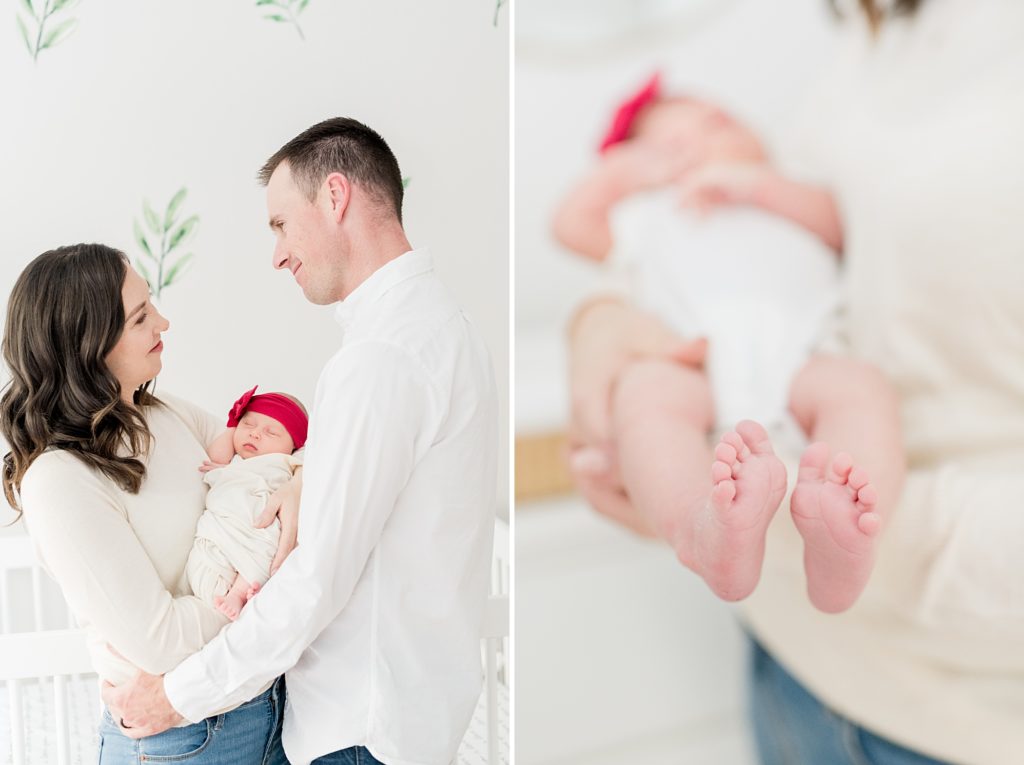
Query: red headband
point(628, 110)
point(281, 408)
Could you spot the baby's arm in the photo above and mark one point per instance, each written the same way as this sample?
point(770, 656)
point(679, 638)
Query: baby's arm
point(812, 207)
point(761, 185)
point(581, 222)
point(220, 451)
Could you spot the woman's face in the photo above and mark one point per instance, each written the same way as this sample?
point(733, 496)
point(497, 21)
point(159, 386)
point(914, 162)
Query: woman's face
point(135, 360)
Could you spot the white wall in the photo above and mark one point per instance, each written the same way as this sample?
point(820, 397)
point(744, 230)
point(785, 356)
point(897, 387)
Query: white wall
point(146, 97)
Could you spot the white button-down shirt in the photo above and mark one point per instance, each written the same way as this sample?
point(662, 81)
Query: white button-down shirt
point(376, 615)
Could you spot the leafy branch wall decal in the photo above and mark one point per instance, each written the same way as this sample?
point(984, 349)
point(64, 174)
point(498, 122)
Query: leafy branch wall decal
point(290, 7)
point(40, 39)
point(171, 235)
point(498, 8)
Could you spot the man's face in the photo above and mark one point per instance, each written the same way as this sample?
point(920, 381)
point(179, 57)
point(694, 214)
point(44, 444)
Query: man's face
point(309, 243)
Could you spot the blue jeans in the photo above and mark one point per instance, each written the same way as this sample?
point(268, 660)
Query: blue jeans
point(247, 735)
point(356, 755)
point(793, 728)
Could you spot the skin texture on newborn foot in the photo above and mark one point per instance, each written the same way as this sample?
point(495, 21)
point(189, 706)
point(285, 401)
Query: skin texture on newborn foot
point(749, 482)
point(230, 605)
point(833, 506)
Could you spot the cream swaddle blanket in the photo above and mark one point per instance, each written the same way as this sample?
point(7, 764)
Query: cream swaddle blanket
point(226, 540)
point(762, 290)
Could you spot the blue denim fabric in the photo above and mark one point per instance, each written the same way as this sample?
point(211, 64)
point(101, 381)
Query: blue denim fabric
point(793, 728)
point(243, 736)
point(356, 755)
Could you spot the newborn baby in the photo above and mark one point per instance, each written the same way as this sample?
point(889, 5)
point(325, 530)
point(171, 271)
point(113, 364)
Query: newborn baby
point(723, 245)
point(253, 458)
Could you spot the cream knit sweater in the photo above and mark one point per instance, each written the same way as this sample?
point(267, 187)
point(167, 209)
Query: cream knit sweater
point(119, 558)
point(921, 134)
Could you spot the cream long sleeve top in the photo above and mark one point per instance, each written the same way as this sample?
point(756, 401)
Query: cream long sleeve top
point(119, 558)
point(376, 615)
point(921, 135)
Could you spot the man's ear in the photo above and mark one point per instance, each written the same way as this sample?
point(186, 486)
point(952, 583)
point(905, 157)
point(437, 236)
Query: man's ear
point(339, 194)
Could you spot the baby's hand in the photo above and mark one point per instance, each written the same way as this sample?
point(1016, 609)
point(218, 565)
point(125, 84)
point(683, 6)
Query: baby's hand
point(720, 184)
point(637, 166)
point(209, 465)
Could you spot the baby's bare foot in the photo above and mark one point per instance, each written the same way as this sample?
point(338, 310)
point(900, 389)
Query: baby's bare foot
point(833, 507)
point(749, 482)
point(230, 606)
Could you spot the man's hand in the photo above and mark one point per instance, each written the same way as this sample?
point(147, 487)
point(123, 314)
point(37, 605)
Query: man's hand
point(283, 503)
point(140, 706)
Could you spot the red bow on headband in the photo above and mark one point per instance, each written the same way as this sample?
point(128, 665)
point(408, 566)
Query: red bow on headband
point(628, 110)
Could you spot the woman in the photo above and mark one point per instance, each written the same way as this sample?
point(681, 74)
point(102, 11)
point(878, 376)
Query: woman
point(106, 476)
point(918, 136)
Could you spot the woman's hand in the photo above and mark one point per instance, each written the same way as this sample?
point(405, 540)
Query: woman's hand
point(283, 504)
point(209, 465)
point(605, 335)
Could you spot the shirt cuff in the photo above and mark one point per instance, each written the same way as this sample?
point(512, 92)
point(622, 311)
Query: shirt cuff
point(190, 690)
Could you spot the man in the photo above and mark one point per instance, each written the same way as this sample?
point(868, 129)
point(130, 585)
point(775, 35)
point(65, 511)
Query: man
point(375, 616)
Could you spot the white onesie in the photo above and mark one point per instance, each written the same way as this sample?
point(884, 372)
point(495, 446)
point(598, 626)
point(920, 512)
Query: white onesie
point(763, 290)
point(226, 541)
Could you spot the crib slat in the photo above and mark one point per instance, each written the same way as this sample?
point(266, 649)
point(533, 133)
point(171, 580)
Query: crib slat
point(37, 597)
point(491, 679)
point(17, 722)
point(60, 706)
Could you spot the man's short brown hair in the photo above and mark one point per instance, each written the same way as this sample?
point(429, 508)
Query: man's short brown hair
point(341, 145)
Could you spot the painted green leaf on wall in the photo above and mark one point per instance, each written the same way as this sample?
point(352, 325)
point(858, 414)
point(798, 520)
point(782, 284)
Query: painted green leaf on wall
point(165, 231)
point(291, 11)
point(497, 8)
point(39, 33)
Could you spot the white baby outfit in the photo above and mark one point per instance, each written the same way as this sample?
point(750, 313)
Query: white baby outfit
point(763, 290)
point(226, 541)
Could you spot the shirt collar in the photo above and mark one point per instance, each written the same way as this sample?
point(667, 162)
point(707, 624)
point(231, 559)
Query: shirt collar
point(405, 266)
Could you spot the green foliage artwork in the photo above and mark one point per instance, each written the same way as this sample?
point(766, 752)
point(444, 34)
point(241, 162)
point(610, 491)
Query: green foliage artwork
point(285, 11)
point(170, 235)
point(38, 32)
point(498, 8)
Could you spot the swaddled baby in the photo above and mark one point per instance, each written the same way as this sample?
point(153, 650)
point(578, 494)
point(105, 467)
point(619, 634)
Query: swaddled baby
point(253, 458)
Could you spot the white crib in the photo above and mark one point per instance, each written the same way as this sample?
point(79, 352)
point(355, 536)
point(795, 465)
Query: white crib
point(51, 706)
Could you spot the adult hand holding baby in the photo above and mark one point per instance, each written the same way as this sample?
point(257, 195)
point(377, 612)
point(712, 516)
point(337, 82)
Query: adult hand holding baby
point(605, 335)
point(283, 504)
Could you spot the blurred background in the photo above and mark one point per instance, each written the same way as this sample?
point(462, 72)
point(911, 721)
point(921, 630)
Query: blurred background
point(622, 655)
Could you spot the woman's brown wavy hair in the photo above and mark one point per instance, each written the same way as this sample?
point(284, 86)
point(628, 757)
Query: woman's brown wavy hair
point(64, 316)
point(876, 14)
